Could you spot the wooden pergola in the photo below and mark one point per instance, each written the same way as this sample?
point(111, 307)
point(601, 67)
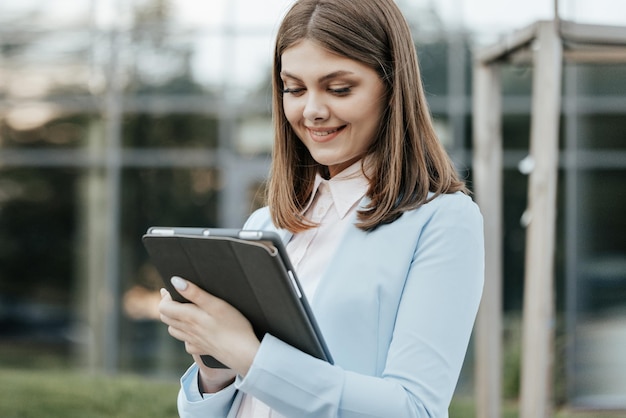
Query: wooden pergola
point(545, 46)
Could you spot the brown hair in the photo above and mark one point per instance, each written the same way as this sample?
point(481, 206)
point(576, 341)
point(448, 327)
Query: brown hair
point(407, 157)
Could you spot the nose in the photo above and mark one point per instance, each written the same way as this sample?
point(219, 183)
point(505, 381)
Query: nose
point(315, 109)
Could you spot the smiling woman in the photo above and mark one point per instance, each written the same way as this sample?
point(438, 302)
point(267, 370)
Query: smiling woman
point(376, 222)
point(334, 106)
point(116, 115)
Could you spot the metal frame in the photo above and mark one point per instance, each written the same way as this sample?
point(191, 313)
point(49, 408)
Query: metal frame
point(544, 45)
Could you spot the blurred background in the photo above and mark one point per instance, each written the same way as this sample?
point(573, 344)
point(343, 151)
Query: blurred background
point(117, 115)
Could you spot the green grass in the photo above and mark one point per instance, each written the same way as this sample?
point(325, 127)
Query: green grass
point(465, 408)
point(58, 394)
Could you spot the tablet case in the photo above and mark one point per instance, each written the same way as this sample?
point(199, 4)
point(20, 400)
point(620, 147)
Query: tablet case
point(248, 269)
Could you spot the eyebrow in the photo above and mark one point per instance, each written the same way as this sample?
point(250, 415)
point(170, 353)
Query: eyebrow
point(323, 78)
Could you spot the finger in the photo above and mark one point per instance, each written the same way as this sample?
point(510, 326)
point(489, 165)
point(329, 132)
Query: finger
point(193, 349)
point(179, 334)
point(168, 308)
point(194, 293)
point(185, 321)
point(192, 343)
point(180, 315)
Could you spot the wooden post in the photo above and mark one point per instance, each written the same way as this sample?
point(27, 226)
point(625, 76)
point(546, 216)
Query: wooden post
point(538, 315)
point(91, 250)
point(487, 174)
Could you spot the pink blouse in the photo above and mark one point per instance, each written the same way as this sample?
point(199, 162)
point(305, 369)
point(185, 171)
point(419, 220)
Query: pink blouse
point(310, 251)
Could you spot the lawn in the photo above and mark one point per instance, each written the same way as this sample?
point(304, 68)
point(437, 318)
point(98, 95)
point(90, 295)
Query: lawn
point(58, 394)
point(465, 408)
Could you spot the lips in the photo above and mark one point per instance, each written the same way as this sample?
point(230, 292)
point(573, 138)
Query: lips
point(324, 134)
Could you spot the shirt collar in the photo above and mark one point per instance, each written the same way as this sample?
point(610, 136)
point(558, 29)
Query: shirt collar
point(346, 188)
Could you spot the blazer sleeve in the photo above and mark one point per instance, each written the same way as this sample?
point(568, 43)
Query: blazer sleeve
point(192, 404)
point(431, 332)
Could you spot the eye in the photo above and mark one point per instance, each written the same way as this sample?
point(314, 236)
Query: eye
point(294, 91)
point(341, 91)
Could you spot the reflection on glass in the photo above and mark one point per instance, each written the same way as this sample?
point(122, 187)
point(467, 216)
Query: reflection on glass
point(160, 61)
point(170, 130)
point(602, 131)
point(517, 80)
point(433, 59)
point(188, 197)
point(602, 80)
point(41, 125)
point(196, 62)
point(255, 135)
point(256, 195)
point(600, 364)
point(37, 259)
point(516, 131)
point(250, 65)
point(35, 65)
point(40, 14)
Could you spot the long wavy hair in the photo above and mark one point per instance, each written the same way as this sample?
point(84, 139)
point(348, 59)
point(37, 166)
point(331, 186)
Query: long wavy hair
point(407, 158)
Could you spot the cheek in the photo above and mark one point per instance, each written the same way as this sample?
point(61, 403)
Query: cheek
point(371, 122)
point(292, 111)
point(369, 116)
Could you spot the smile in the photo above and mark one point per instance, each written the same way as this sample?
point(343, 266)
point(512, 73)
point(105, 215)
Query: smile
point(322, 133)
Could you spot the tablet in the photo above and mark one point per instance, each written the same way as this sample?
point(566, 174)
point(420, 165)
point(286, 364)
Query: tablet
point(247, 268)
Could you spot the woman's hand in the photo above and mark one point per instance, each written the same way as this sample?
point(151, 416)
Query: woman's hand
point(209, 325)
point(212, 380)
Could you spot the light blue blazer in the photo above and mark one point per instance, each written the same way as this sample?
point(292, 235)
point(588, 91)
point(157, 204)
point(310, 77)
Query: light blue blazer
point(396, 308)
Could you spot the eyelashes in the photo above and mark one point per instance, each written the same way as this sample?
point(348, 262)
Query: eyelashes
point(342, 91)
point(295, 92)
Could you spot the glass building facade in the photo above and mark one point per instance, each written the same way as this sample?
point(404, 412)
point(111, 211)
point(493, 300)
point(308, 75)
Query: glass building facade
point(116, 116)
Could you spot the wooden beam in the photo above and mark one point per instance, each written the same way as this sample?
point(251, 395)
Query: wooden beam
point(508, 45)
point(487, 175)
point(593, 34)
point(538, 309)
point(583, 43)
point(595, 55)
point(575, 53)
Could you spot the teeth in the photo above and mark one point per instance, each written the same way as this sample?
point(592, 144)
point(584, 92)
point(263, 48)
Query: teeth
point(324, 133)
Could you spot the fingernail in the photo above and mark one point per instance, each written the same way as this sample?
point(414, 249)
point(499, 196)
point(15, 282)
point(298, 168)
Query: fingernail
point(163, 292)
point(179, 283)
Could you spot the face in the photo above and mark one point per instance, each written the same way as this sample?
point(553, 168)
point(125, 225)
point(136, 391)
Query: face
point(334, 104)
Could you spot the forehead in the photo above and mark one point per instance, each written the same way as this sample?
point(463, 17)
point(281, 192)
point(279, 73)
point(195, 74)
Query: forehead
point(308, 57)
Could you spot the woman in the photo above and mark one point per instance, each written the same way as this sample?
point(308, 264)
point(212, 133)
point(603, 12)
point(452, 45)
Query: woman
point(380, 229)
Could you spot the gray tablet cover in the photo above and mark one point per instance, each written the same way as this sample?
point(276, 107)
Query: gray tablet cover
point(254, 276)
